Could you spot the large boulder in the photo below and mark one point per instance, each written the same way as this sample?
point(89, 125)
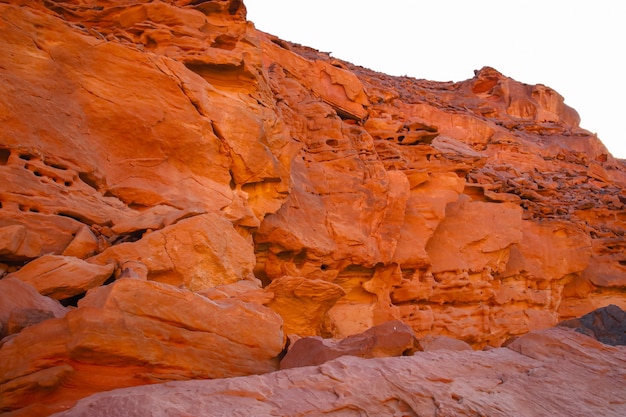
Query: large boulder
point(135, 332)
point(393, 338)
point(606, 324)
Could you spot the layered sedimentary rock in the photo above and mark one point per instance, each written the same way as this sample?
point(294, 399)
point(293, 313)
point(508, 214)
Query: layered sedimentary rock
point(173, 144)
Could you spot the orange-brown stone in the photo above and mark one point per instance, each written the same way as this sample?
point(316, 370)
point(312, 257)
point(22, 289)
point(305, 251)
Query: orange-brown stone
point(116, 339)
point(173, 147)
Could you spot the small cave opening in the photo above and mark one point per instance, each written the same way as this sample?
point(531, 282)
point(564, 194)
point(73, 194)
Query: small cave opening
point(129, 237)
point(72, 301)
point(4, 156)
point(262, 276)
point(89, 179)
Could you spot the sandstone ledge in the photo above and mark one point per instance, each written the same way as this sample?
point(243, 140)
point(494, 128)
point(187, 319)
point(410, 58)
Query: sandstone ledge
point(547, 373)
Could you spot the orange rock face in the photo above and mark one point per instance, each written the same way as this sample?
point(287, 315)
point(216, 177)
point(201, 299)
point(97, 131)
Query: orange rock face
point(135, 332)
point(242, 189)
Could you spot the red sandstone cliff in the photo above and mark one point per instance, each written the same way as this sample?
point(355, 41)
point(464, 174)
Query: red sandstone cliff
point(181, 192)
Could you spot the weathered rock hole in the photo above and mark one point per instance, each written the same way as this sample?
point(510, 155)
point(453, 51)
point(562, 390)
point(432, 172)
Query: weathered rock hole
point(225, 42)
point(284, 255)
point(68, 183)
point(400, 138)
point(281, 43)
point(4, 156)
point(150, 43)
point(72, 301)
point(623, 263)
point(408, 352)
point(33, 210)
point(234, 6)
point(26, 157)
point(22, 207)
point(57, 166)
point(37, 174)
point(300, 258)
point(88, 179)
point(332, 142)
point(134, 206)
point(324, 267)
point(74, 216)
point(130, 237)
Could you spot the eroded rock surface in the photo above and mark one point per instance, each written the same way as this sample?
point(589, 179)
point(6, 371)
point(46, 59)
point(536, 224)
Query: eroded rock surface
point(22, 305)
point(607, 324)
point(135, 332)
point(393, 338)
point(172, 145)
point(547, 373)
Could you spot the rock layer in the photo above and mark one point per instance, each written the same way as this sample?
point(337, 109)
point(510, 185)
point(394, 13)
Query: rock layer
point(172, 143)
point(547, 373)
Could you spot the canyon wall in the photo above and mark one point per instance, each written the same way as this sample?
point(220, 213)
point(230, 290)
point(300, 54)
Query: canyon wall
point(173, 178)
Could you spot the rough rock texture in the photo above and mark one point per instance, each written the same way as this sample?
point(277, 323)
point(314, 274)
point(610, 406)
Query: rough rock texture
point(22, 305)
point(135, 332)
point(171, 143)
point(607, 324)
point(545, 373)
point(393, 338)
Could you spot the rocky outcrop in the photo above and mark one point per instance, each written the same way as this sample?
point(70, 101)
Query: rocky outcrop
point(171, 149)
point(392, 338)
point(545, 373)
point(135, 332)
point(606, 324)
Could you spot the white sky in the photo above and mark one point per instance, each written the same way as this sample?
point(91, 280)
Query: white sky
point(576, 47)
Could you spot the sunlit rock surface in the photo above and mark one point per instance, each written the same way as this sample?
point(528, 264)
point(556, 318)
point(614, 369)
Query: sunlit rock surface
point(177, 183)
